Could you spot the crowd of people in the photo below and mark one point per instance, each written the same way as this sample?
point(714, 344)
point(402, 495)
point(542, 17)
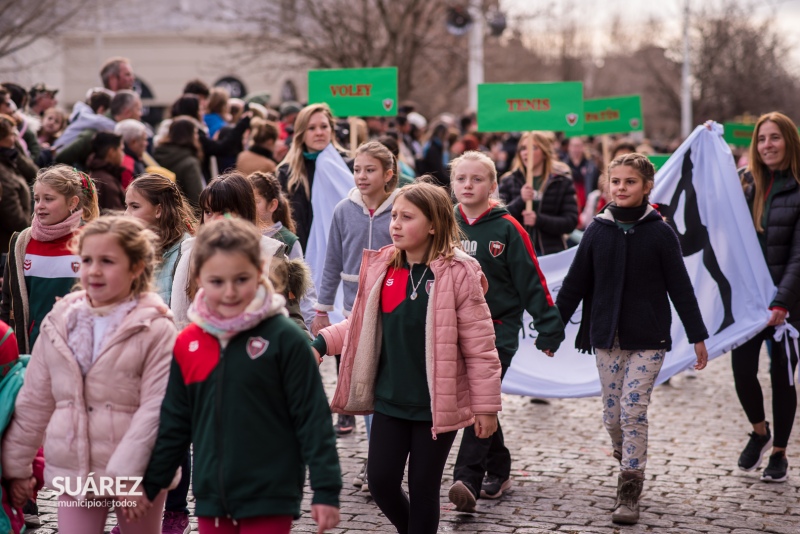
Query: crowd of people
point(173, 285)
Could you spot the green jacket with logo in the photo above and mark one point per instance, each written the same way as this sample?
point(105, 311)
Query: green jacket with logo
point(256, 415)
point(504, 250)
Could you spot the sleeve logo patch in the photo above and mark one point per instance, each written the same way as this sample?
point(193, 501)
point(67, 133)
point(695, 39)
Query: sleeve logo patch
point(496, 248)
point(256, 346)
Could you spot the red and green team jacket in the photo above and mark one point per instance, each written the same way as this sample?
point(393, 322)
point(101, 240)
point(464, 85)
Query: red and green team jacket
point(256, 416)
point(504, 250)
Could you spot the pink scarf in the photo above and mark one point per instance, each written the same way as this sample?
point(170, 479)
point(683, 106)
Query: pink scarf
point(51, 232)
point(265, 304)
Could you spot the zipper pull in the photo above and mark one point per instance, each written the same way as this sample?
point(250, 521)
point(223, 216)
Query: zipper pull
point(433, 433)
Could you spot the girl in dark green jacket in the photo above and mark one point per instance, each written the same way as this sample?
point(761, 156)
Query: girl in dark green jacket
point(502, 247)
point(244, 390)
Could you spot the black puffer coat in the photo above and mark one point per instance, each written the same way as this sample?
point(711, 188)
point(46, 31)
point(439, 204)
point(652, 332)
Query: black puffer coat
point(557, 214)
point(782, 234)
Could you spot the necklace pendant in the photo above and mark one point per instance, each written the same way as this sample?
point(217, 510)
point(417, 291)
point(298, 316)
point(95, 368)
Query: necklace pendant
point(413, 295)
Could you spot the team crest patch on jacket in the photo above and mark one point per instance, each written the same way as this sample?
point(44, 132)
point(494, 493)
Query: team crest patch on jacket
point(429, 286)
point(496, 248)
point(256, 346)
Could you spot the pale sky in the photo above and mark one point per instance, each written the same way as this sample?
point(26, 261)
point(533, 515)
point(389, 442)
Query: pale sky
point(669, 11)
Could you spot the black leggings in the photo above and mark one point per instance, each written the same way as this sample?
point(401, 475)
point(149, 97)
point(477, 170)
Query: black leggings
point(392, 442)
point(784, 396)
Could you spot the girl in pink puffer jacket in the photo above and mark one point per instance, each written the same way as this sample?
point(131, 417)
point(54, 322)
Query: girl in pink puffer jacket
point(95, 383)
point(418, 351)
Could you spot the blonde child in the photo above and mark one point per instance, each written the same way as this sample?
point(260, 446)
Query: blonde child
point(158, 202)
point(41, 267)
point(419, 353)
point(245, 392)
point(503, 248)
point(96, 380)
point(628, 266)
point(360, 222)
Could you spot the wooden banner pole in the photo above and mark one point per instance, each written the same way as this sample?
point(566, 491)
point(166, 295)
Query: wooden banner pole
point(529, 168)
point(353, 135)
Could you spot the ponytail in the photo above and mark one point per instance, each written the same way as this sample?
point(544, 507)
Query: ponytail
point(267, 185)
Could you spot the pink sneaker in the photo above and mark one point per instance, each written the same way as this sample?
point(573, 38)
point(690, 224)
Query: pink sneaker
point(175, 523)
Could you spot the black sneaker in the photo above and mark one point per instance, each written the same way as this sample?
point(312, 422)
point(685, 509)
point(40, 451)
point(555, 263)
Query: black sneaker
point(493, 487)
point(463, 496)
point(751, 456)
point(345, 424)
point(777, 468)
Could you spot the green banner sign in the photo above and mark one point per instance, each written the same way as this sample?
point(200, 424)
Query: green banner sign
point(517, 107)
point(355, 92)
point(616, 115)
point(738, 134)
point(658, 160)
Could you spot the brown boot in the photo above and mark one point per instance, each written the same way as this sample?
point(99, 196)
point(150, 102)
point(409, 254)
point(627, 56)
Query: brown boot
point(629, 488)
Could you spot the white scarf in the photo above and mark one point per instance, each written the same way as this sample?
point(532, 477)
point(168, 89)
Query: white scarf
point(332, 182)
point(81, 335)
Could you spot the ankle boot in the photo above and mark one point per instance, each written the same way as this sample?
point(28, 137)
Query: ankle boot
point(629, 489)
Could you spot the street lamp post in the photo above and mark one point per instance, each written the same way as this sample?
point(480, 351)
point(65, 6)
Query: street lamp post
point(475, 66)
point(686, 89)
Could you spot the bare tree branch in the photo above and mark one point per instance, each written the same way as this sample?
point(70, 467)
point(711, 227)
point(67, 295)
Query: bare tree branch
point(24, 22)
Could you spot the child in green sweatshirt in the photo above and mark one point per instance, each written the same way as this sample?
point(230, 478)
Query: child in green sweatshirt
point(504, 250)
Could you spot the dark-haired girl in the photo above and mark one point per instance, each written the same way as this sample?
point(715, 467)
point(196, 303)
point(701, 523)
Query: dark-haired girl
point(626, 267)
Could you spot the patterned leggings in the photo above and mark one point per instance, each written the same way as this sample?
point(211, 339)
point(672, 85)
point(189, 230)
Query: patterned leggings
point(627, 378)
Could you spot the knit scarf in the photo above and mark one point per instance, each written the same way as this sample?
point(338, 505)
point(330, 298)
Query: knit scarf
point(81, 316)
point(628, 214)
point(265, 304)
point(51, 232)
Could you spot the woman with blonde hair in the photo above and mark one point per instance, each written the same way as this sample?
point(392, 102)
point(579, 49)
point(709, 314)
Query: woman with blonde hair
point(554, 213)
point(770, 184)
point(315, 162)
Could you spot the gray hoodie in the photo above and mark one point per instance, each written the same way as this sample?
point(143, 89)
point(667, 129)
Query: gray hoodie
point(352, 231)
point(85, 119)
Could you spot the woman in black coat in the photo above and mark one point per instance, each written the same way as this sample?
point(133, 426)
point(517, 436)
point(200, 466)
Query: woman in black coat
point(313, 131)
point(555, 209)
point(771, 186)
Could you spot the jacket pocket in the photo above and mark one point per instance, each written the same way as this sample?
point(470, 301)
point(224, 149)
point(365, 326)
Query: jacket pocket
point(119, 417)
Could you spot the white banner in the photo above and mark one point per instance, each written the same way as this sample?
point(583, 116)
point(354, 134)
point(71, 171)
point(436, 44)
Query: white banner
point(333, 180)
point(699, 192)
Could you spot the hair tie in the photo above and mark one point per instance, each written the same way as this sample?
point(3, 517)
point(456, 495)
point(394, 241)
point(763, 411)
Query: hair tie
point(87, 186)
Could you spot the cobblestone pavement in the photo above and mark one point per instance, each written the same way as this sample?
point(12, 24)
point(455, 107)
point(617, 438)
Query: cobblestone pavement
point(563, 473)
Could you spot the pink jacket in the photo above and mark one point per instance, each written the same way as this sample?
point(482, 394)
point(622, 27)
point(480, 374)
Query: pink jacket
point(105, 422)
point(463, 368)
